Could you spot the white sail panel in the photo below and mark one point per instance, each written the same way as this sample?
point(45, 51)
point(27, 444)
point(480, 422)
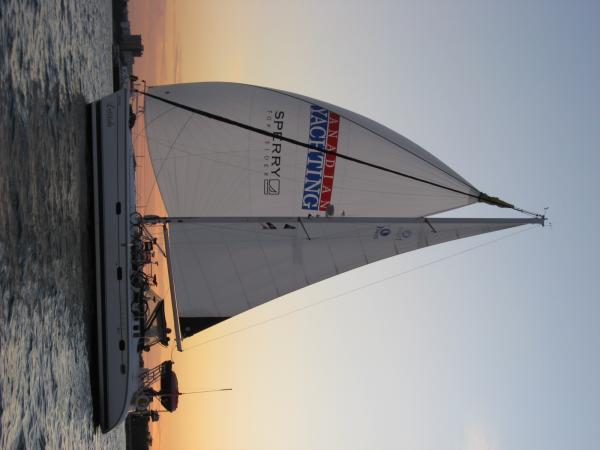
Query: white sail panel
point(223, 267)
point(209, 168)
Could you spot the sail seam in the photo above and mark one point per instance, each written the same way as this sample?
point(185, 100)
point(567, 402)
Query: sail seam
point(304, 228)
point(157, 173)
point(237, 274)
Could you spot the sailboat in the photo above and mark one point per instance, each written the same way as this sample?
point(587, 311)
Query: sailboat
point(269, 191)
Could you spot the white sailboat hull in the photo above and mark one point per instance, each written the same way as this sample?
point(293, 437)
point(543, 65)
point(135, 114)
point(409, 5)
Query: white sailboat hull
point(114, 201)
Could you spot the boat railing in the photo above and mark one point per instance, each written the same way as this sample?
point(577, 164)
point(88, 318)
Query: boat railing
point(147, 307)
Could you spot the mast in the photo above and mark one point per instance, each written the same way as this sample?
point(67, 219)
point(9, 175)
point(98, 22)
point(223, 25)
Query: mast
point(416, 220)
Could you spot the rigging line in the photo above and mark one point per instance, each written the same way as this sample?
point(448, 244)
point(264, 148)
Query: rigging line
point(206, 391)
point(168, 153)
point(204, 155)
point(147, 124)
point(481, 197)
point(351, 291)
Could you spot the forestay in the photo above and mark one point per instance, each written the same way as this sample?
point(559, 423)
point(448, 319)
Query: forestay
point(208, 168)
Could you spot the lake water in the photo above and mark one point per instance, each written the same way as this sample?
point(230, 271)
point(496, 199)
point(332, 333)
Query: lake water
point(55, 57)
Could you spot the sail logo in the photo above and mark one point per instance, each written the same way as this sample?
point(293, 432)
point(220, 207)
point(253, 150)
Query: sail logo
point(323, 134)
point(384, 232)
point(381, 231)
point(272, 153)
point(271, 187)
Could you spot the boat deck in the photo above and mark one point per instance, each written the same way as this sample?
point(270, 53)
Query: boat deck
point(114, 202)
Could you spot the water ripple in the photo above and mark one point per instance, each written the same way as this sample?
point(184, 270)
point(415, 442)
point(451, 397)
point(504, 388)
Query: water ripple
point(55, 56)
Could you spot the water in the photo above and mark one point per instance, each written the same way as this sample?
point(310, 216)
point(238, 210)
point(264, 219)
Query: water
point(55, 56)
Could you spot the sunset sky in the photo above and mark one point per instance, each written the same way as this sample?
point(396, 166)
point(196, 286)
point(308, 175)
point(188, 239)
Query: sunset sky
point(494, 348)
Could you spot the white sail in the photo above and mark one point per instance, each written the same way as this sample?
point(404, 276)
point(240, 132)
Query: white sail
point(254, 216)
point(209, 168)
point(222, 267)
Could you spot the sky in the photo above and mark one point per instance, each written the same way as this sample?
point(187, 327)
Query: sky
point(470, 345)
